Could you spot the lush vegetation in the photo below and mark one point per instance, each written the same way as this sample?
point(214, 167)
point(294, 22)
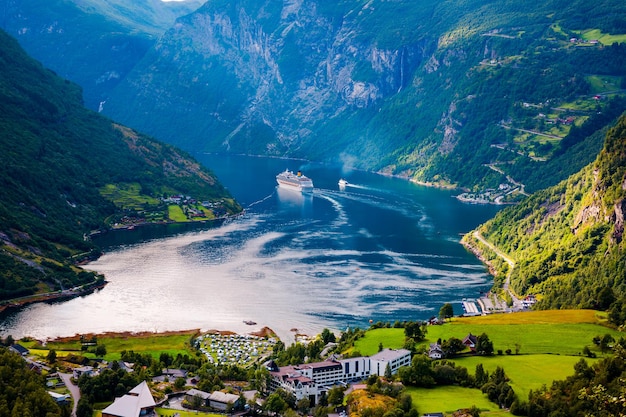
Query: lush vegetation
point(458, 92)
point(462, 93)
point(519, 379)
point(567, 241)
point(59, 160)
point(22, 391)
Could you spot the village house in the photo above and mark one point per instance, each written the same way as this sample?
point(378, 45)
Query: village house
point(173, 374)
point(470, 342)
point(59, 398)
point(224, 401)
point(137, 403)
point(19, 349)
point(435, 351)
point(83, 370)
point(193, 394)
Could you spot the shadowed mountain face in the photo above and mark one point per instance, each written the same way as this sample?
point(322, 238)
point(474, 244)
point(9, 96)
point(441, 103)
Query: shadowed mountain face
point(471, 93)
point(67, 170)
point(94, 43)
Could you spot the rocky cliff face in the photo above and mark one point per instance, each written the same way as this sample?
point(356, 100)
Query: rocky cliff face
point(91, 42)
point(275, 71)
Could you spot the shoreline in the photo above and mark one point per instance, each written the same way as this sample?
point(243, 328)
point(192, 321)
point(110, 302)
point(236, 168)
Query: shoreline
point(18, 303)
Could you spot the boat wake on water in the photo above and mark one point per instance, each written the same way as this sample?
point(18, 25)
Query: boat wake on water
point(267, 197)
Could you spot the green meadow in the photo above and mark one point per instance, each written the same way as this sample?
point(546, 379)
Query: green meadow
point(603, 38)
point(451, 398)
point(176, 214)
point(128, 196)
point(150, 343)
point(549, 342)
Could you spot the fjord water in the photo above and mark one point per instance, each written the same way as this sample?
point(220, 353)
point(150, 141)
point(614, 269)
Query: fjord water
point(380, 249)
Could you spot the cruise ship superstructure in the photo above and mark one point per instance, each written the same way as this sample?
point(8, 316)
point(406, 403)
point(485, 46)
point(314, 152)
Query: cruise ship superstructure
point(296, 182)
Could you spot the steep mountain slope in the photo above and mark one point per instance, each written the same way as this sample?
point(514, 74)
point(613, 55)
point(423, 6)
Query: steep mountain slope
point(449, 92)
point(58, 159)
point(568, 241)
point(93, 43)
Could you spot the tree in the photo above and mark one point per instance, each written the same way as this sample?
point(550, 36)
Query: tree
point(335, 395)
point(303, 405)
point(100, 350)
point(179, 384)
point(481, 376)
point(484, 346)
point(328, 336)
point(388, 374)
point(446, 311)
point(452, 346)
point(275, 403)
point(415, 330)
point(52, 356)
point(605, 342)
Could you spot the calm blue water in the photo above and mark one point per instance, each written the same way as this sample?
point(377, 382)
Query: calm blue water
point(381, 249)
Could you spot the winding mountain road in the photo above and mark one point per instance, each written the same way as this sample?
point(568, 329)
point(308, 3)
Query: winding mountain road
point(517, 303)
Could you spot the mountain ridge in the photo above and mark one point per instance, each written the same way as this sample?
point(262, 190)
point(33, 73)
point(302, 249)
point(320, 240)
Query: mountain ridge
point(421, 91)
point(567, 241)
point(438, 92)
point(60, 163)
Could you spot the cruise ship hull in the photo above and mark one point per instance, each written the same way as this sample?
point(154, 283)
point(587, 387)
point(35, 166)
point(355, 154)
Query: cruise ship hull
point(294, 182)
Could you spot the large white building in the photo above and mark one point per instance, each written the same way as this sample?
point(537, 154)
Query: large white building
point(310, 380)
point(395, 359)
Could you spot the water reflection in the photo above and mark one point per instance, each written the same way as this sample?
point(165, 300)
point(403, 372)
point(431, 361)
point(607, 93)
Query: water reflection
point(383, 249)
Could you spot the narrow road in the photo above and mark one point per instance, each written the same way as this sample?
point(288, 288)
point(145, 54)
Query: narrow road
point(74, 391)
point(534, 132)
point(517, 303)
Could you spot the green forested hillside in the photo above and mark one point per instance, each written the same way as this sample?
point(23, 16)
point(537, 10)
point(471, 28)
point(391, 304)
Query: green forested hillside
point(567, 241)
point(472, 93)
point(57, 158)
point(447, 92)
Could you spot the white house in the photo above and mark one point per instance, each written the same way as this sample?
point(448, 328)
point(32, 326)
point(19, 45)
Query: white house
point(435, 351)
point(138, 402)
point(83, 370)
point(59, 398)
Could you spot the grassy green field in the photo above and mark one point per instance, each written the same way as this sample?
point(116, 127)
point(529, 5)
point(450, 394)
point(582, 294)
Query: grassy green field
point(561, 332)
point(603, 83)
point(603, 38)
point(127, 196)
point(154, 344)
point(175, 213)
point(526, 372)
point(451, 398)
point(390, 338)
point(550, 343)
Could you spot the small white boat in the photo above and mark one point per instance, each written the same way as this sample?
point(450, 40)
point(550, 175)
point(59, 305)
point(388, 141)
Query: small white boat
point(343, 183)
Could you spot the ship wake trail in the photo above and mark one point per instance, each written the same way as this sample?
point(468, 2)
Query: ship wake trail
point(261, 200)
point(342, 216)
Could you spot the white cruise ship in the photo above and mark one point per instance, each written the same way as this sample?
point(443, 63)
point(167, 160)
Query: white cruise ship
point(296, 182)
